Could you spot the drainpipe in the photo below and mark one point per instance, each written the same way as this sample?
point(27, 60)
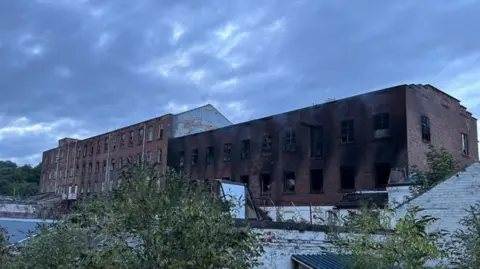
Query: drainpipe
point(107, 173)
point(143, 144)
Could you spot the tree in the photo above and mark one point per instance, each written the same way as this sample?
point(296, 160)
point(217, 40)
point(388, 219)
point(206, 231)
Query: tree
point(373, 240)
point(142, 226)
point(17, 180)
point(441, 165)
point(465, 242)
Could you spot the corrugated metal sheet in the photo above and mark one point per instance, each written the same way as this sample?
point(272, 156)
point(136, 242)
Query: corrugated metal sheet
point(323, 260)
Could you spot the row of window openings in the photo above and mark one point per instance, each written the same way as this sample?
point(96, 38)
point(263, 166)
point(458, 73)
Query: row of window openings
point(122, 162)
point(122, 142)
point(347, 179)
point(95, 187)
point(426, 135)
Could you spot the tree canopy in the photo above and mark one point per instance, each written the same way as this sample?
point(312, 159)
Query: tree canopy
point(19, 180)
point(141, 225)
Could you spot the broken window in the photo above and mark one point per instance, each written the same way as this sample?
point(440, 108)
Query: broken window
point(465, 150)
point(381, 121)
point(316, 142)
point(425, 121)
point(245, 153)
point(98, 147)
point(290, 140)
point(97, 167)
point(267, 145)
point(347, 131)
point(209, 155)
point(112, 164)
point(347, 177)
point(130, 139)
point(289, 182)
point(194, 156)
point(159, 155)
point(77, 170)
point(245, 180)
point(382, 174)
point(181, 159)
point(114, 142)
point(89, 168)
point(140, 136)
point(160, 131)
point(265, 183)
point(104, 166)
point(150, 133)
point(122, 140)
point(316, 180)
point(83, 169)
point(149, 157)
point(227, 152)
point(105, 144)
point(91, 151)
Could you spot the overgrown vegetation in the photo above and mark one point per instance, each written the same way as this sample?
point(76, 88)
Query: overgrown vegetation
point(441, 165)
point(465, 243)
point(375, 240)
point(17, 180)
point(143, 226)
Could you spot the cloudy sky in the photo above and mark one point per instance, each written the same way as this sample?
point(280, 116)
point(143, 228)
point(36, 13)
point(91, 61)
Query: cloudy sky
point(79, 67)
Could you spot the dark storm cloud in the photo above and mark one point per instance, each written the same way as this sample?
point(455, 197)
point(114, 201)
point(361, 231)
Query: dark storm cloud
point(79, 67)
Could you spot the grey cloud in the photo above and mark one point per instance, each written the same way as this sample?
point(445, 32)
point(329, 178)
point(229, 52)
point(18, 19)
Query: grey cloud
point(289, 54)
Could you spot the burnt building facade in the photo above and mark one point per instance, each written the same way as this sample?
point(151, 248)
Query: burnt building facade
point(315, 155)
point(91, 165)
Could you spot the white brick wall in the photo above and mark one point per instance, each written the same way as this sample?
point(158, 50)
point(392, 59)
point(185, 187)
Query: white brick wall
point(449, 199)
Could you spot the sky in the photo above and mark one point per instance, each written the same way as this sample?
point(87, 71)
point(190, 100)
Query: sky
point(76, 68)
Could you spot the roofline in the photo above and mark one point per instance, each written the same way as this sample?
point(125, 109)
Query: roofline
point(299, 109)
point(206, 105)
point(304, 264)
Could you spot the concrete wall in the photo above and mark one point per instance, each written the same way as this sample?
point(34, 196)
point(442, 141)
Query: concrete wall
point(12, 210)
point(280, 245)
point(198, 120)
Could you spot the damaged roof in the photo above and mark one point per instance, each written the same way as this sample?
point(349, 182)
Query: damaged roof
point(355, 200)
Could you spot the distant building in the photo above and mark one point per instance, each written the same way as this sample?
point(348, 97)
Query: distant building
point(92, 165)
point(309, 156)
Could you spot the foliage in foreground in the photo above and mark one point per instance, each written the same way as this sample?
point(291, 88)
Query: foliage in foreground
point(465, 243)
point(140, 226)
point(19, 180)
point(374, 241)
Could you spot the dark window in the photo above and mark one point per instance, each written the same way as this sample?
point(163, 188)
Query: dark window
point(265, 183)
point(130, 139)
point(104, 166)
point(209, 155)
point(289, 182)
point(122, 140)
point(245, 180)
point(105, 144)
point(160, 133)
point(89, 168)
point(120, 163)
point(159, 155)
point(347, 131)
point(245, 153)
point(97, 167)
point(114, 142)
point(77, 170)
point(150, 133)
point(382, 174)
point(91, 151)
point(316, 142)
point(465, 150)
point(139, 158)
point(290, 140)
point(316, 180)
point(425, 128)
point(149, 157)
point(140, 136)
point(227, 152)
point(98, 147)
point(112, 165)
point(181, 159)
point(194, 156)
point(78, 153)
point(347, 177)
point(267, 145)
point(381, 121)
point(83, 169)
point(85, 150)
